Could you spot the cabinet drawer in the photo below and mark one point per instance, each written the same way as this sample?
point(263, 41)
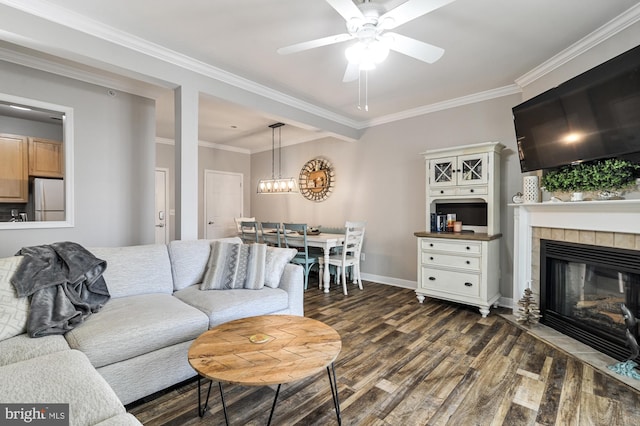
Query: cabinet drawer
point(443, 191)
point(438, 244)
point(462, 283)
point(456, 261)
point(470, 190)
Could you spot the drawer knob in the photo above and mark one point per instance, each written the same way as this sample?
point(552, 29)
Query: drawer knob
point(432, 278)
point(430, 244)
point(468, 248)
point(471, 190)
point(468, 263)
point(468, 284)
point(431, 258)
point(441, 191)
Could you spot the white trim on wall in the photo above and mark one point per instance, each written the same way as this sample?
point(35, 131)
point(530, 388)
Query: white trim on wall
point(67, 136)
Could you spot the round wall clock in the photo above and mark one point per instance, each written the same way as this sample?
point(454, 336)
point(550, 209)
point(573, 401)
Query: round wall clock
point(317, 179)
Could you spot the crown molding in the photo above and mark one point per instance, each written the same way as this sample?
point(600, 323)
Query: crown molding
point(92, 77)
point(76, 21)
point(451, 103)
point(608, 30)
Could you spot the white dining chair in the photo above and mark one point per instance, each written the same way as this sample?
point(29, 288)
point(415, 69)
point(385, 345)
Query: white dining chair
point(350, 255)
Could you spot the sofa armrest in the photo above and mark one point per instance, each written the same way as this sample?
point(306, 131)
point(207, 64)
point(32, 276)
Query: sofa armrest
point(292, 282)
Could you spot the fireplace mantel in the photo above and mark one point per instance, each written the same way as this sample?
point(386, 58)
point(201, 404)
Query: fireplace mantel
point(620, 216)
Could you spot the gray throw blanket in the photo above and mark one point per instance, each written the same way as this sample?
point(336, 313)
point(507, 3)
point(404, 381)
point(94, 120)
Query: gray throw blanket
point(65, 283)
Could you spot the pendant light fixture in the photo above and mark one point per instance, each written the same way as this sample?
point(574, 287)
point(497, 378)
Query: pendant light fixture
point(279, 185)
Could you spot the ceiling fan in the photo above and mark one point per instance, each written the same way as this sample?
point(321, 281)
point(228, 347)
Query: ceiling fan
point(368, 23)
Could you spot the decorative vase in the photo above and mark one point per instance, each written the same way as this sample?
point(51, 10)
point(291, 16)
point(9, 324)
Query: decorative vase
point(531, 189)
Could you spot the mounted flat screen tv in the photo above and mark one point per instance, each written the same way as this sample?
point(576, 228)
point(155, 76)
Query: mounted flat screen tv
point(595, 115)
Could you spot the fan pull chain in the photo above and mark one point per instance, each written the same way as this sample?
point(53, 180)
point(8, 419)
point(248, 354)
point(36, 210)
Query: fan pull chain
point(359, 89)
point(366, 90)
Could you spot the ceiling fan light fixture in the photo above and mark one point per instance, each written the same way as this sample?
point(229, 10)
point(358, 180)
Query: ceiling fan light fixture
point(387, 23)
point(367, 53)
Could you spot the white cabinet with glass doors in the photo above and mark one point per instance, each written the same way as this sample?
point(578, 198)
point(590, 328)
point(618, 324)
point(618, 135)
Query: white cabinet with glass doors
point(462, 170)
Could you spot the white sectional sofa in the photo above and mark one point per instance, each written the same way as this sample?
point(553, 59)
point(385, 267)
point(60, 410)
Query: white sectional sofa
point(137, 344)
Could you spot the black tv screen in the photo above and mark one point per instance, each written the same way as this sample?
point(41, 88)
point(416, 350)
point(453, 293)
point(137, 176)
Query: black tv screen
point(595, 115)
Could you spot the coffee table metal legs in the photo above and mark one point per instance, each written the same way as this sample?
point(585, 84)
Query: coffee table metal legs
point(331, 372)
point(201, 409)
point(333, 383)
point(273, 407)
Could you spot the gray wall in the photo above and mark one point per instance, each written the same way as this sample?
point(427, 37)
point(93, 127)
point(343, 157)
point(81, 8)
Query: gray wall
point(114, 159)
point(222, 161)
point(382, 179)
point(208, 159)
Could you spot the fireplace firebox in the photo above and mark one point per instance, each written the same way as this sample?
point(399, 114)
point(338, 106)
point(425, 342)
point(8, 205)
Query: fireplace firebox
point(582, 288)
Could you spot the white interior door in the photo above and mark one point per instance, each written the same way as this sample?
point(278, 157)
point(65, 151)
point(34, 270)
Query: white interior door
point(223, 195)
point(161, 220)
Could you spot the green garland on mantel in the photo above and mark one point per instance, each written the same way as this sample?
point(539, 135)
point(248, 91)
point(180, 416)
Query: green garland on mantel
point(601, 175)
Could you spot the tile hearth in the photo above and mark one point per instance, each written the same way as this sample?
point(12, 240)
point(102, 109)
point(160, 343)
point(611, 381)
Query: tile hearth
point(579, 350)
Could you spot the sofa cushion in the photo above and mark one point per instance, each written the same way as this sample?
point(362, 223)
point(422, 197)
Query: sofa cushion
point(136, 270)
point(14, 310)
point(227, 305)
point(189, 260)
point(23, 347)
point(234, 265)
point(61, 377)
point(132, 326)
point(276, 259)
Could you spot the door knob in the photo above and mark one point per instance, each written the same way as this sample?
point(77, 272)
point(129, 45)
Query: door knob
point(210, 222)
point(160, 225)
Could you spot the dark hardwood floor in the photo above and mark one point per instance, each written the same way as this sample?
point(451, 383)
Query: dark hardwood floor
point(403, 363)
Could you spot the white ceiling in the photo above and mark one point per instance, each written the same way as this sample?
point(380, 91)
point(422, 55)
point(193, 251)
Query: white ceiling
point(488, 45)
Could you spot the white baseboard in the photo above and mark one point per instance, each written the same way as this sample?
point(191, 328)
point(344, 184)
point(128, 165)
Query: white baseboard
point(506, 302)
point(396, 282)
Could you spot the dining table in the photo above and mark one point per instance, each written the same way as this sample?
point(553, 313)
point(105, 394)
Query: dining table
point(324, 240)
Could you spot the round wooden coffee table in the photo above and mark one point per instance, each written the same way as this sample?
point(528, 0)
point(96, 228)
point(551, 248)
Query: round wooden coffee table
point(265, 350)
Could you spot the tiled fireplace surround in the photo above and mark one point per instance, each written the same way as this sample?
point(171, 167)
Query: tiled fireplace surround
point(621, 240)
point(601, 223)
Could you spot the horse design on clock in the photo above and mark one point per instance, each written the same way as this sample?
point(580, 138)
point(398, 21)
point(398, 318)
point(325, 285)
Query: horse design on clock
point(317, 179)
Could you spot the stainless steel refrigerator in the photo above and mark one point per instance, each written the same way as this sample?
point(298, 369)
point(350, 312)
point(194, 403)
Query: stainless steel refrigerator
point(48, 197)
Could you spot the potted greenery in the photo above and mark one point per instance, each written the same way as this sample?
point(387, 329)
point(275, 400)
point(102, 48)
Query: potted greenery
point(605, 176)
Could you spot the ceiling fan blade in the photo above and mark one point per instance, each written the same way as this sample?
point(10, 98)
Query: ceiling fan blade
point(411, 47)
point(346, 8)
point(410, 10)
point(351, 73)
point(306, 45)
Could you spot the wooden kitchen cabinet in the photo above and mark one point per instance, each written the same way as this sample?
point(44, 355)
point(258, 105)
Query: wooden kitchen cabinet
point(14, 169)
point(46, 158)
